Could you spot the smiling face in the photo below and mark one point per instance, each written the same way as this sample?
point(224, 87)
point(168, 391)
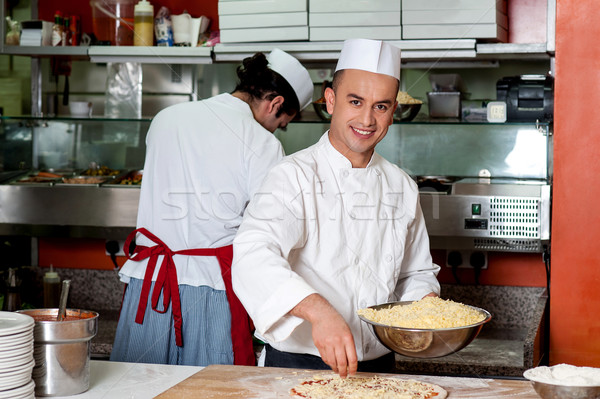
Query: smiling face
point(362, 109)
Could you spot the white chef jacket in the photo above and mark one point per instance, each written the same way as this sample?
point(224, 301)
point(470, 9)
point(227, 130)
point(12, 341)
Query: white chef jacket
point(356, 236)
point(204, 161)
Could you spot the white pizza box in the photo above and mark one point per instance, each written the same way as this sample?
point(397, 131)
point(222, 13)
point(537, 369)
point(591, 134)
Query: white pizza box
point(351, 19)
point(263, 20)
point(275, 34)
point(430, 17)
point(353, 5)
point(499, 5)
point(234, 7)
point(492, 32)
point(336, 33)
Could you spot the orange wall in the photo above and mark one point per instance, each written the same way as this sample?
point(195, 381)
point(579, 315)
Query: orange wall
point(78, 253)
point(575, 291)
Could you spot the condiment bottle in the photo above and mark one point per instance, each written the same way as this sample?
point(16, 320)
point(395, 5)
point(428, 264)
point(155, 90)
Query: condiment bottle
point(12, 300)
point(51, 282)
point(57, 29)
point(143, 24)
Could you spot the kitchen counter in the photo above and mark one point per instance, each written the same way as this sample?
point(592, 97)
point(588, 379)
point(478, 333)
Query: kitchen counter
point(118, 380)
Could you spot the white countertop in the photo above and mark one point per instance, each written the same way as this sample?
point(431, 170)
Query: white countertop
point(118, 380)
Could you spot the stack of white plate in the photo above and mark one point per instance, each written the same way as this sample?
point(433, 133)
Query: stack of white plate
point(16, 355)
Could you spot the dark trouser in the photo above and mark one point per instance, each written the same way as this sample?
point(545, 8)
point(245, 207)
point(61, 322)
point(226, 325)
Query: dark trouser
point(275, 358)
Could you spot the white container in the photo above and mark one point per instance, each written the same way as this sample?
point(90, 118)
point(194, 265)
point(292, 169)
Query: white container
point(453, 5)
point(352, 19)
point(143, 24)
point(82, 109)
point(337, 33)
point(489, 16)
point(233, 7)
point(240, 21)
point(278, 34)
point(459, 31)
point(342, 6)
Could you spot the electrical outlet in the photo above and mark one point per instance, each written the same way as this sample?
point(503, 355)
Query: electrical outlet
point(466, 258)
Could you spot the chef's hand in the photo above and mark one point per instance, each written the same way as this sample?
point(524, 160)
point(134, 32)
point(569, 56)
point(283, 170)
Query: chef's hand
point(431, 294)
point(331, 334)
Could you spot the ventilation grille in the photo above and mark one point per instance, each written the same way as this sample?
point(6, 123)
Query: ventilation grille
point(514, 217)
point(491, 244)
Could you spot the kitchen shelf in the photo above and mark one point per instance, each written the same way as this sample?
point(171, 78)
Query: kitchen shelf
point(466, 50)
point(102, 54)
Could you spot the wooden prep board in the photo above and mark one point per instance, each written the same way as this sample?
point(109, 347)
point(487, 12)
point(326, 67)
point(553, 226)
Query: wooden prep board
point(235, 382)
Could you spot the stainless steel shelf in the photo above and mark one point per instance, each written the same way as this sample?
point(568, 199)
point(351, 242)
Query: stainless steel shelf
point(151, 54)
point(466, 50)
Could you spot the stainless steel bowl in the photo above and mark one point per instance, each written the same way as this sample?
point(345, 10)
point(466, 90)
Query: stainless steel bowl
point(321, 110)
point(406, 112)
point(554, 391)
point(425, 343)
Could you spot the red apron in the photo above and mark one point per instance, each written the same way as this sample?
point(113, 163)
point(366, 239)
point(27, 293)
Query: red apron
point(166, 282)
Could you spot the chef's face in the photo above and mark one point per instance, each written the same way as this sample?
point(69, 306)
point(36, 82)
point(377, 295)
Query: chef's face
point(266, 112)
point(274, 122)
point(361, 109)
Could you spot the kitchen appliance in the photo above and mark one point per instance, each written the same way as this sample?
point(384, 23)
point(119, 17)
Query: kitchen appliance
point(486, 214)
point(528, 98)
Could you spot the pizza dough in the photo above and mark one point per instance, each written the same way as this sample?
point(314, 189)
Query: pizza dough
point(332, 386)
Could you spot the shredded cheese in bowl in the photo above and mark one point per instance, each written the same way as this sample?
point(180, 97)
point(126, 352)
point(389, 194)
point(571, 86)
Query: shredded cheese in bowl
point(427, 313)
point(405, 98)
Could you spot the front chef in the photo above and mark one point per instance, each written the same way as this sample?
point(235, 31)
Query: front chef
point(335, 228)
point(204, 161)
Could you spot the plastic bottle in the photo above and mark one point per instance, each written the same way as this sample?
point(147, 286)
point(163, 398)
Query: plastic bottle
point(143, 24)
point(51, 282)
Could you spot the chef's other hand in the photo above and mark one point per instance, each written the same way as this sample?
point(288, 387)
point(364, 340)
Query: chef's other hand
point(431, 294)
point(331, 334)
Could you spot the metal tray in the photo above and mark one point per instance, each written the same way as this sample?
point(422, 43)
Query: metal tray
point(81, 181)
point(32, 178)
point(121, 180)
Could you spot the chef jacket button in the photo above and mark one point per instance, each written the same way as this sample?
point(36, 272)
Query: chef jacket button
point(363, 304)
point(356, 260)
point(377, 172)
point(353, 215)
point(345, 173)
point(388, 258)
point(384, 216)
point(367, 348)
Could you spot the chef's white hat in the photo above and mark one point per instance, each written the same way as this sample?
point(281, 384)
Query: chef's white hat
point(370, 55)
point(294, 73)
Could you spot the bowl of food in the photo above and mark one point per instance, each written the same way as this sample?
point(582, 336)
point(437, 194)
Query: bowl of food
point(565, 381)
point(408, 107)
point(320, 107)
point(429, 328)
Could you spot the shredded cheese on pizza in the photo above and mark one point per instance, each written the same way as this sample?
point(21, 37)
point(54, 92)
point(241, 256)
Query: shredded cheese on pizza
point(366, 388)
point(429, 313)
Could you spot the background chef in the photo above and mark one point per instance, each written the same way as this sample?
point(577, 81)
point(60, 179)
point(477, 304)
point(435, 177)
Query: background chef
point(335, 228)
point(204, 161)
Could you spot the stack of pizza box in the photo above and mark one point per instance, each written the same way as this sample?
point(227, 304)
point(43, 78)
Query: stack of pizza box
point(336, 20)
point(455, 19)
point(243, 21)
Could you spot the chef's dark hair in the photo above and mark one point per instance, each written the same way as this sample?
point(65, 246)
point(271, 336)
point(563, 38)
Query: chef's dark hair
point(262, 83)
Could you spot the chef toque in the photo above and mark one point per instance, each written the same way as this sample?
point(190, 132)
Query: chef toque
point(371, 56)
point(294, 73)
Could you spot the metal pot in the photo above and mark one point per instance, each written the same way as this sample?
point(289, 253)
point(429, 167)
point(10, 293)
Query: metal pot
point(62, 350)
